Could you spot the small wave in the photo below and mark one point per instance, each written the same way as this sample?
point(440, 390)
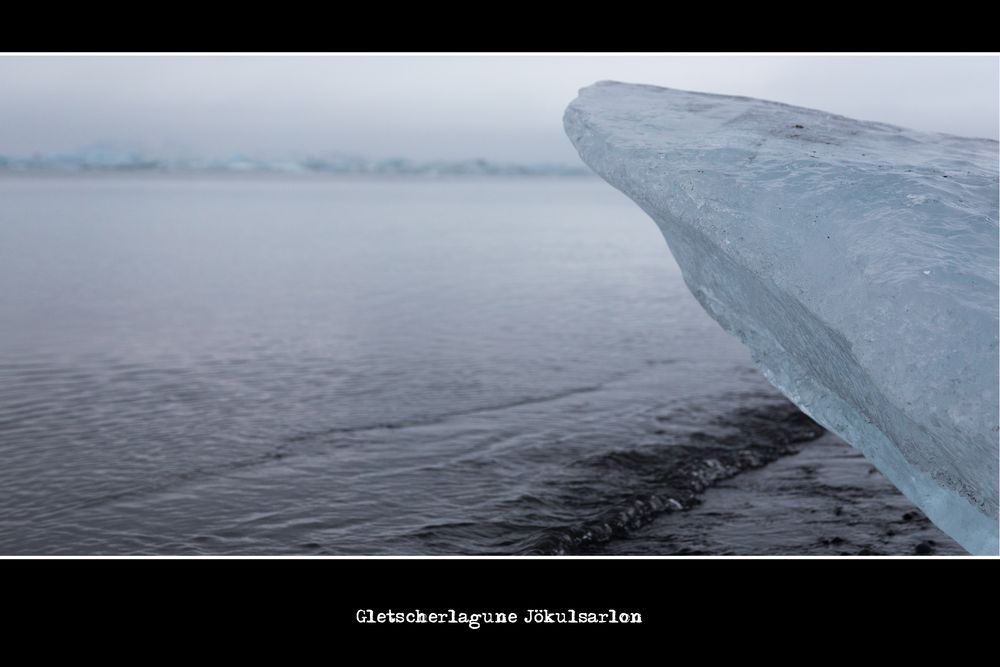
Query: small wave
point(607, 495)
point(672, 478)
point(442, 417)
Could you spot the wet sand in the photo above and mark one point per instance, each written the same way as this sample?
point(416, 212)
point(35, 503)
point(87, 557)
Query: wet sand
point(824, 500)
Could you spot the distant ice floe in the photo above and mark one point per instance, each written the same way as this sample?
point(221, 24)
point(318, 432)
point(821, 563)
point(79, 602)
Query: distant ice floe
point(102, 160)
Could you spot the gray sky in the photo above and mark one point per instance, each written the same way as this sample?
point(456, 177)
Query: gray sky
point(503, 108)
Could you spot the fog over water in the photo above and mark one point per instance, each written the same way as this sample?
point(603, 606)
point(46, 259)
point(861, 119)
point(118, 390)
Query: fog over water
point(437, 107)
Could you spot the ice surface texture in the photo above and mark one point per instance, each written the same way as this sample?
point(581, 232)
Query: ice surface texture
point(858, 261)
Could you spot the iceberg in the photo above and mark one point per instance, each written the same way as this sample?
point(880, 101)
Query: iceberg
point(857, 260)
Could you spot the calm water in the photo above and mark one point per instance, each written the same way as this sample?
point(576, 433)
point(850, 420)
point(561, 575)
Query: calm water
point(273, 366)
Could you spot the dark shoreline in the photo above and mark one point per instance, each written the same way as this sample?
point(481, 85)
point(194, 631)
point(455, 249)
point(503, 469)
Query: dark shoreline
point(760, 480)
point(823, 500)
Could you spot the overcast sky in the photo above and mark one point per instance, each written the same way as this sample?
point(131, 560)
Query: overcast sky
point(503, 108)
